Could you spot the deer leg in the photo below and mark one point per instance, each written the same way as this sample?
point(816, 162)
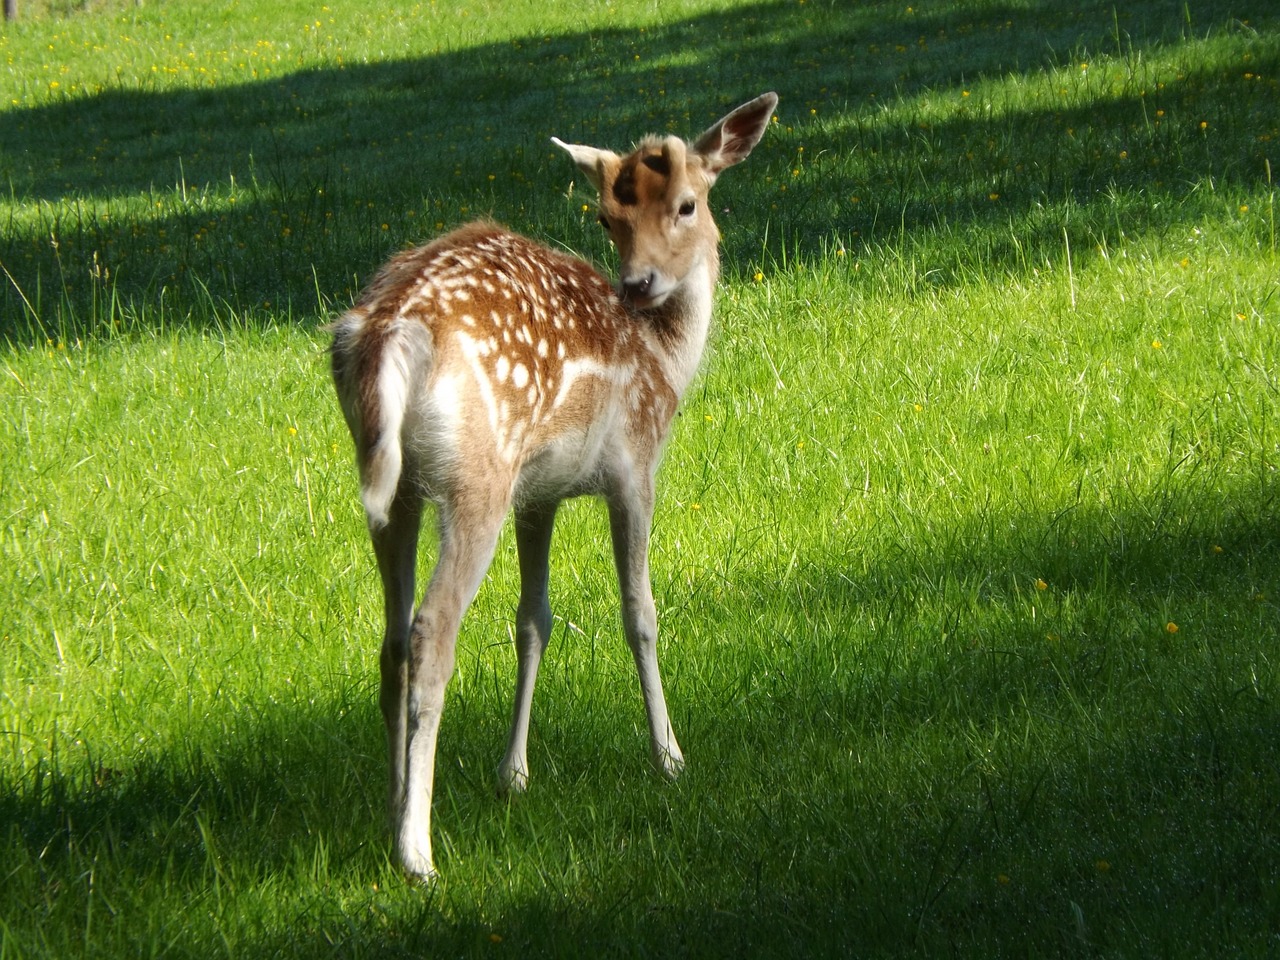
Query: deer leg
point(468, 536)
point(630, 516)
point(533, 632)
point(396, 546)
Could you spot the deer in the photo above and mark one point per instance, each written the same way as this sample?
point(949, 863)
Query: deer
point(487, 373)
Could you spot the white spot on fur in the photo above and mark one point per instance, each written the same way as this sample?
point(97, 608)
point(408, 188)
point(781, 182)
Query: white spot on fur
point(471, 354)
point(573, 369)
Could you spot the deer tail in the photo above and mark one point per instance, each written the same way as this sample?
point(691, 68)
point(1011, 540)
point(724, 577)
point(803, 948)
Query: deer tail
point(374, 368)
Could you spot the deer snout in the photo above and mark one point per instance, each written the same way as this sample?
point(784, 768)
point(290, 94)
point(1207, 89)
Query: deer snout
point(636, 288)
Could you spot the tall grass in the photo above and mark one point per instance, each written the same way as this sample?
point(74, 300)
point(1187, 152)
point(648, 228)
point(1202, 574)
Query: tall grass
point(966, 548)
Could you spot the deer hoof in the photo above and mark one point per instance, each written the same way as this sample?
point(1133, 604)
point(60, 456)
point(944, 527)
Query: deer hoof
point(669, 764)
point(512, 781)
point(415, 858)
point(419, 870)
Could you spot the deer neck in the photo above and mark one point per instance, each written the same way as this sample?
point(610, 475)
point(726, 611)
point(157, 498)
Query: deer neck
point(683, 321)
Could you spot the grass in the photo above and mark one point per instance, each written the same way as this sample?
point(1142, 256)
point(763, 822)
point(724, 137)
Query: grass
point(966, 551)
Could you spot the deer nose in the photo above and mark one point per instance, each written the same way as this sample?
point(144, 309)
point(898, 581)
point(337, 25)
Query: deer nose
point(637, 288)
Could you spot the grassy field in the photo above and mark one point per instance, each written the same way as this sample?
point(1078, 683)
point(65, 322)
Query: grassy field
point(967, 555)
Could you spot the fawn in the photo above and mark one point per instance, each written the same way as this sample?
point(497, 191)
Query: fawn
point(484, 372)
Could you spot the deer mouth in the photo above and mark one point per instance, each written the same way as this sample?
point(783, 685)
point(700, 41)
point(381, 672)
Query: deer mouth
point(646, 291)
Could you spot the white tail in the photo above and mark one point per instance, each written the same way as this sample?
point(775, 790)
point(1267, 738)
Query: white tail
point(484, 371)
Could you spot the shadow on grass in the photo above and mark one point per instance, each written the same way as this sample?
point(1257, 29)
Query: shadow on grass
point(1110, 788)
point(246, 200)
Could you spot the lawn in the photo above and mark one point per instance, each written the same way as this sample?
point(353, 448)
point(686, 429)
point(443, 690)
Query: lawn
point(966, 554)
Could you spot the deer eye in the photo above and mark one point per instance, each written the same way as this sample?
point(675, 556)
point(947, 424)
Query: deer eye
point(687, 208)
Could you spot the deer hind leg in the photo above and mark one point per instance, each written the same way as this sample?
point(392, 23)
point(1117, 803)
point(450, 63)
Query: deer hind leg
point(469, 531)
point(630, 517)
point(396, 547)
point(533, 632)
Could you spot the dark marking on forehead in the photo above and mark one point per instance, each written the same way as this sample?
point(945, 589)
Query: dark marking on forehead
point(658, 163)
point(624, 187)
point(646, 176)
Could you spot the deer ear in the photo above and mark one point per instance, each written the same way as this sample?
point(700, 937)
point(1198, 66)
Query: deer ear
point(590, 160)
point(731, 139)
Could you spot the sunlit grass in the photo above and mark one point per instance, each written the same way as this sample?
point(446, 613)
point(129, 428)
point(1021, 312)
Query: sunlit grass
point(966, 546)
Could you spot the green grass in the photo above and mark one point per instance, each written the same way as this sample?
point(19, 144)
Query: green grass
point(967, 554)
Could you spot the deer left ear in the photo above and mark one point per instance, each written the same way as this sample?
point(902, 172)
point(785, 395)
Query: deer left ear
point(730, 140)
point(590, 160)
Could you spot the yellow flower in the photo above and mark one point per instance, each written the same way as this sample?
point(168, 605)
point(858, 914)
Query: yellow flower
point(1102, 866)
point(1041, 585)
point(1156, 344)
point(1171, 627)
point(293, 431)
point(758, 277)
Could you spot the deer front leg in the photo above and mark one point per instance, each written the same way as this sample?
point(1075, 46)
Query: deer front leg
point(467, 542)
point(533, 633)
point(396, 546)
point(630, 517)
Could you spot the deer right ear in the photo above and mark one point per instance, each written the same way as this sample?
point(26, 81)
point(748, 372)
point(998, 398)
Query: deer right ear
point(730, 140)
point(590, 160)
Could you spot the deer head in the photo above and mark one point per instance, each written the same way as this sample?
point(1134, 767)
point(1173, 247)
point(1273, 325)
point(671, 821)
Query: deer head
point(653, 202)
